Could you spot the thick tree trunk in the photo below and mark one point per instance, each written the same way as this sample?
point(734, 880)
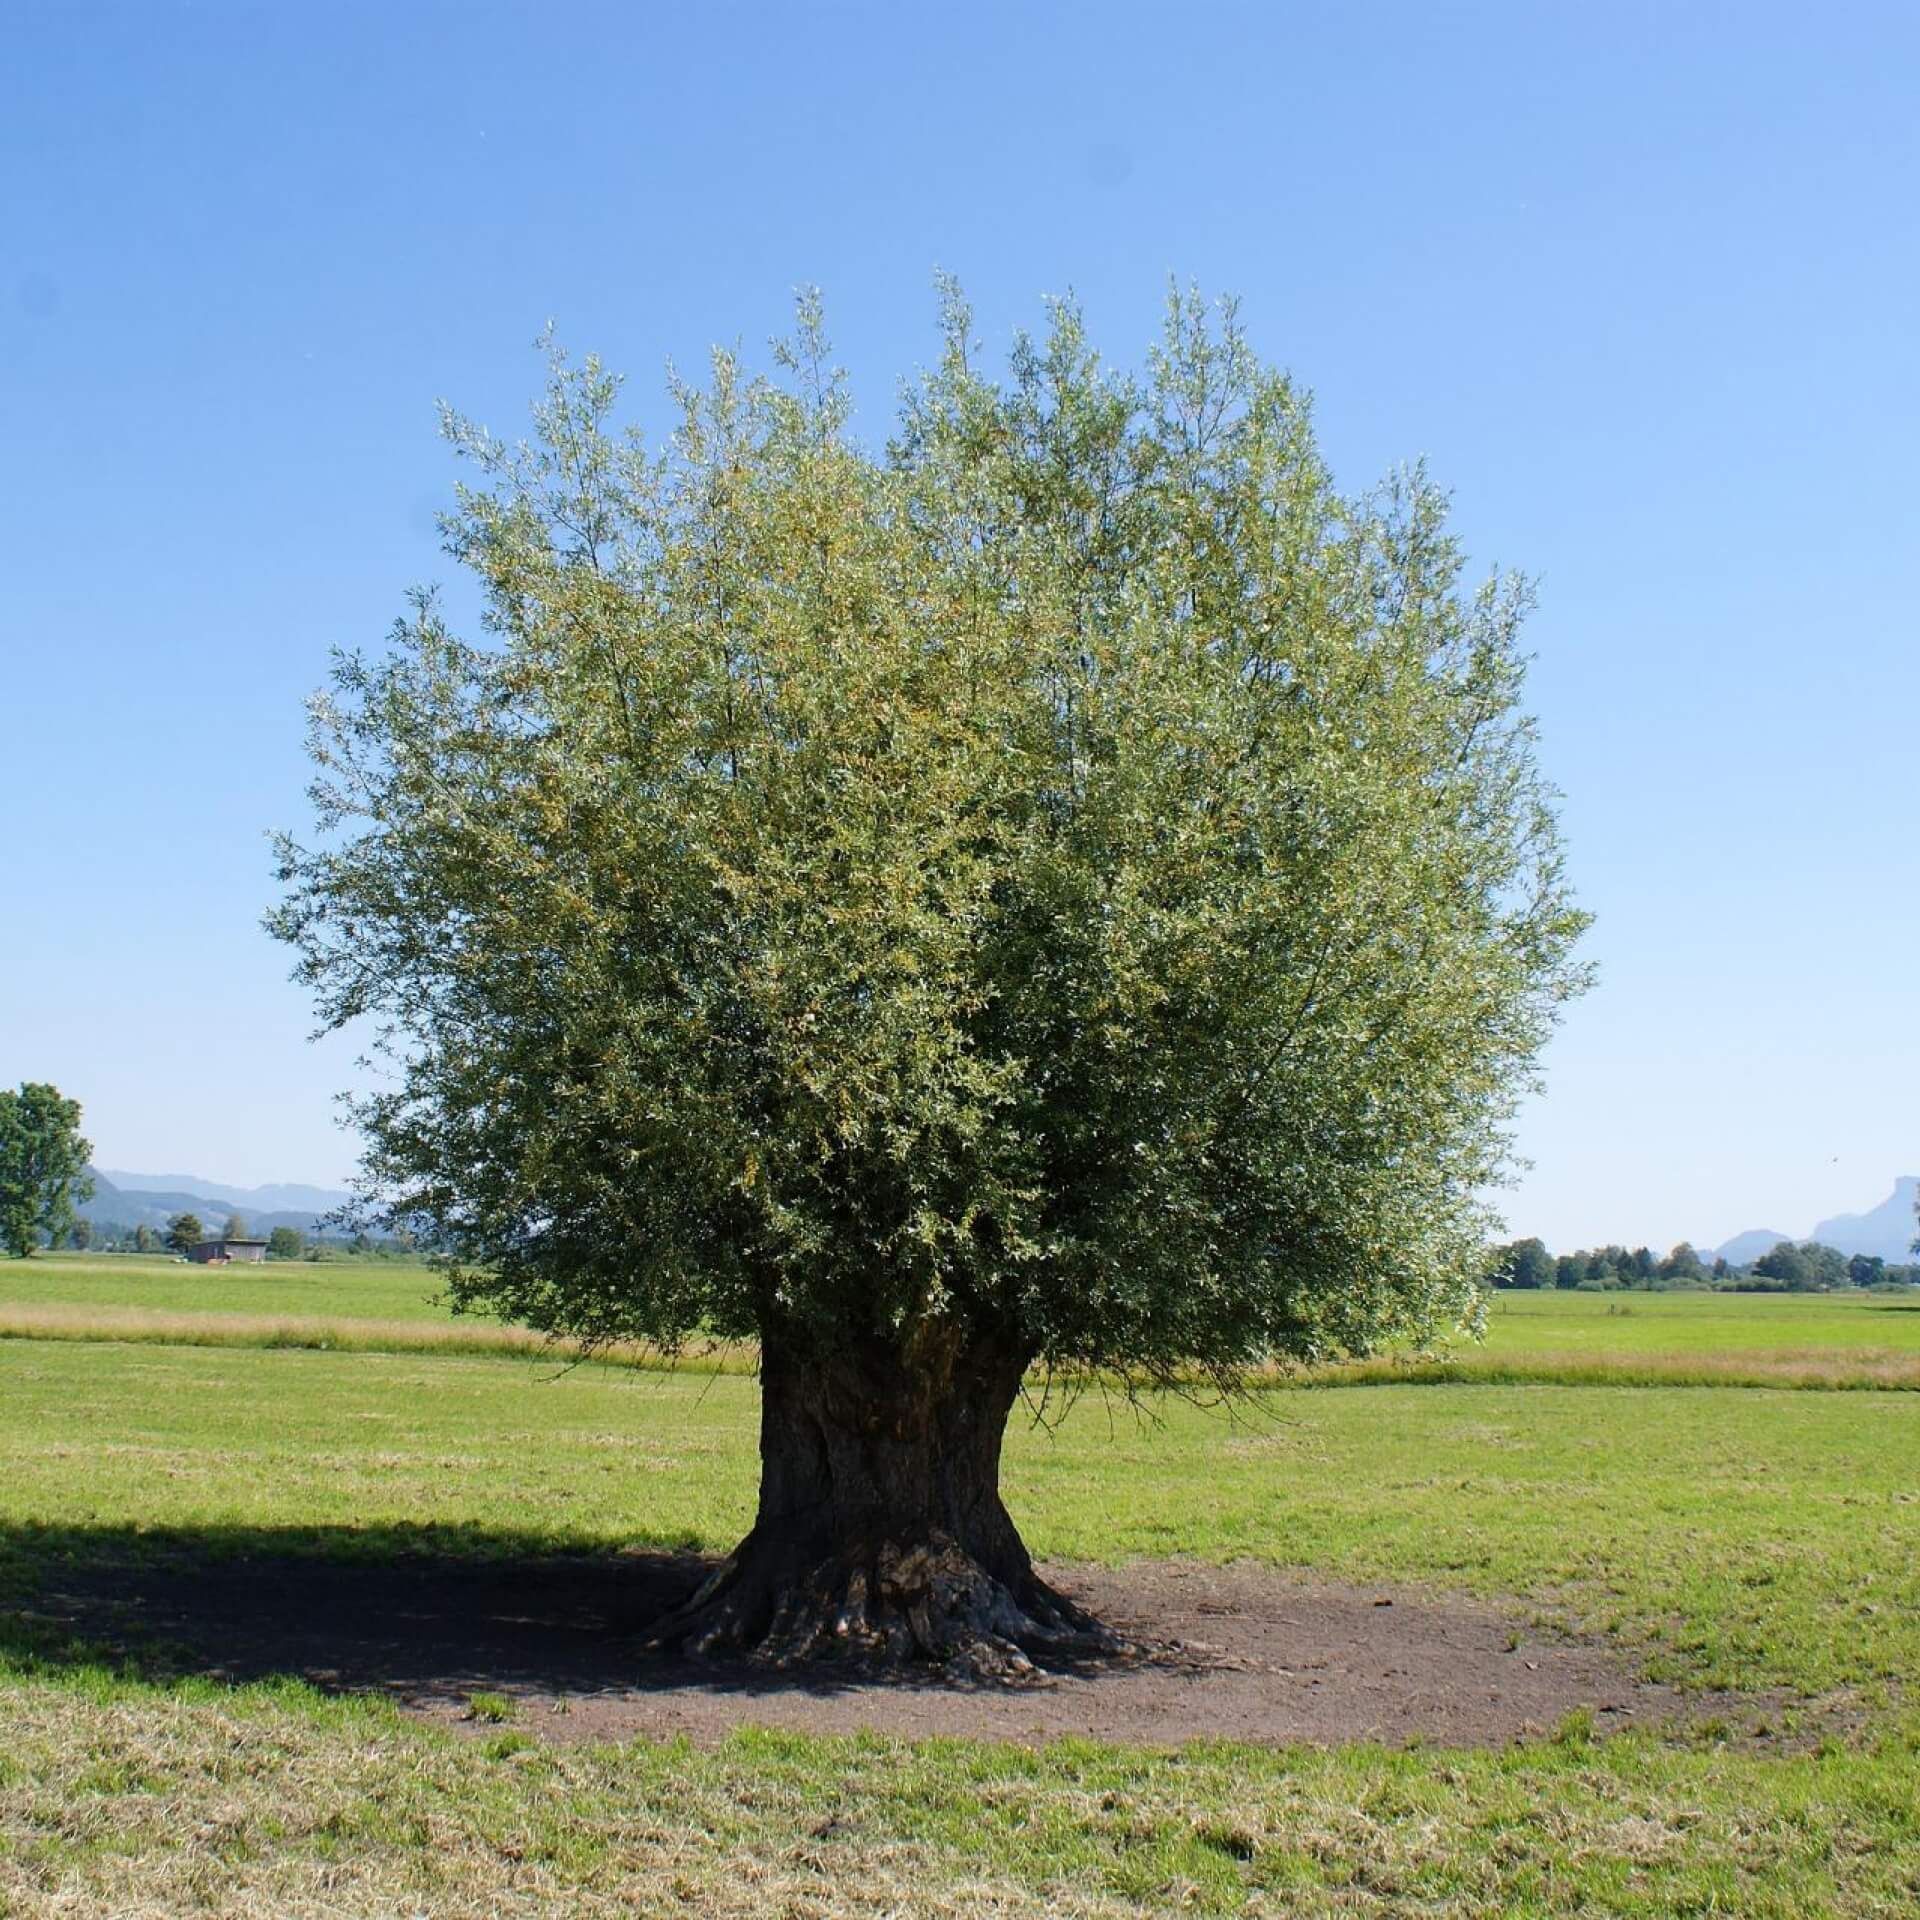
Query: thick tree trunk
point(881, 1535)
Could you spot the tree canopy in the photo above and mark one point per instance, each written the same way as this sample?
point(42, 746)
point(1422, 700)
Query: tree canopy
point(43, 1166)
point(1069, 877)
point(1802, 1266)
point(1072, 864)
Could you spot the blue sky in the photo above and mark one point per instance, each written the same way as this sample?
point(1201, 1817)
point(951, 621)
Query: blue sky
point(1640, 282)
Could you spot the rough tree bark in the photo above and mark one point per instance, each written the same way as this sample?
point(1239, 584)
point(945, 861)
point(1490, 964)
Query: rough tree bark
point(881, 1535)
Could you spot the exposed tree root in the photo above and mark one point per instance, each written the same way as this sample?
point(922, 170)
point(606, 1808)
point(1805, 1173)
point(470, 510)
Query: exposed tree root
point(931, 1604)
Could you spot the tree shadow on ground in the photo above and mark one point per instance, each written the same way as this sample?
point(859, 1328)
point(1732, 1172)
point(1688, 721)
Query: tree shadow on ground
point(425, 1613)
point(429, 1616)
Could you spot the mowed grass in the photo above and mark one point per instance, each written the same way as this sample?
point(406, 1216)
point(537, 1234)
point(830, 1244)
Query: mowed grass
point(119, 1800)
point(1835, 1340)
point(398, 1291)
point(1826, 1341)
point(1702, 1323)
point(1750, 1539)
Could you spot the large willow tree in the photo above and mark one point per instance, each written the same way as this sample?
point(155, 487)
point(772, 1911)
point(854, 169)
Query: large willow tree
point(1066, 889)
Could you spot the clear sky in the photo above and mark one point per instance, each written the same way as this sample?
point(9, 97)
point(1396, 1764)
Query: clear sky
point(1640, 281)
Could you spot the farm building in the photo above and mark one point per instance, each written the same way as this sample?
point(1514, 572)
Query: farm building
point(220, 1253)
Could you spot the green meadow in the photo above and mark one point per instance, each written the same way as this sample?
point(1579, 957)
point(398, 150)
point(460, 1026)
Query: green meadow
point(1702, 1323)
point(398, 1291)
point(1850, 1340)
point(1753, 1545)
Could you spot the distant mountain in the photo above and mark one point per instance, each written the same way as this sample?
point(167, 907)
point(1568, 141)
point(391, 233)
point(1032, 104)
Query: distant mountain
point(1744, 1248)
point(1888, 1230)
point(115, 1205)
point(278, 1197)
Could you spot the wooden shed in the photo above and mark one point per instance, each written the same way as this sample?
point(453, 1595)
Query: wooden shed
point(222, 1253)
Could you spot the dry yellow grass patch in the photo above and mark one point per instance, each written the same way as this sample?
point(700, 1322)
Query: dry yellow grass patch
point(1834, 1369)
point(162, 1326)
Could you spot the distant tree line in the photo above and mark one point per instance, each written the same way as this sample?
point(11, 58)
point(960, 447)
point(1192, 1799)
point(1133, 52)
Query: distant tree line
point(1794, 1266)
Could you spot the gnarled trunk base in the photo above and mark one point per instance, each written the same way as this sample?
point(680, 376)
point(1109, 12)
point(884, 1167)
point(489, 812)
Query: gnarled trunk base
point(881, 1537)
point(887, 1605)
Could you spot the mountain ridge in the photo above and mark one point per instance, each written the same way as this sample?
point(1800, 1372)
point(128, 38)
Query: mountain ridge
point(277, 1195)
point(115, 1205)
point(1888, 1230)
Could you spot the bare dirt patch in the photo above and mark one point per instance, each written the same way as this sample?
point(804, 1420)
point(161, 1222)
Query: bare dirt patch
point(1238, 1653)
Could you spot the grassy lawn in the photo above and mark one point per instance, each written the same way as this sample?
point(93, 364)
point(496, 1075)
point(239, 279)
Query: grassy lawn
point(1728, 1537)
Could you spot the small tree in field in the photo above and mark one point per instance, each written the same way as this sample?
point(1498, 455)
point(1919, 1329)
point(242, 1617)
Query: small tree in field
point(184, 1232)
point(286, 1243)
point(1523, 1263)
point(1069, 889)
point(43, 1166)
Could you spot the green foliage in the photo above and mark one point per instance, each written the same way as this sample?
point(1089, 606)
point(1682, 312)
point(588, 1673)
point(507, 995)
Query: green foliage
point(1682, 1267)
point(1523, 1263)
point(184, 1232)
point(236, 1228)
point(286, 1243)
point(43, 1166)
point(1072, 873)
point(1804, 1266)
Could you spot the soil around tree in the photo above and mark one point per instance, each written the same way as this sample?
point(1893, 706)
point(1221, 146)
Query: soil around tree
point(1240, 1652)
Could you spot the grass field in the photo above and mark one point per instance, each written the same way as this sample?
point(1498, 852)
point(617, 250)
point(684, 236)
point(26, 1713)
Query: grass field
point(1814, 1340)
point(1726, 1537)
point(384, 1290)
point(1745, 1538)
point(1708, 1323)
